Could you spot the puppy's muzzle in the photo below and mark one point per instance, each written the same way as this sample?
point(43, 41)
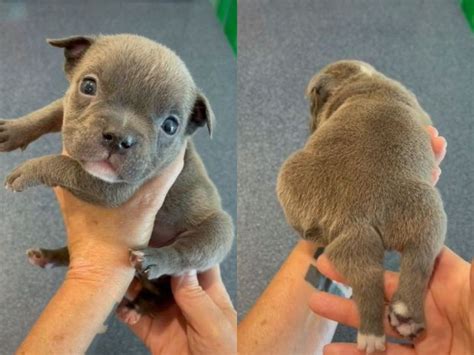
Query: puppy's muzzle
point(118, 142)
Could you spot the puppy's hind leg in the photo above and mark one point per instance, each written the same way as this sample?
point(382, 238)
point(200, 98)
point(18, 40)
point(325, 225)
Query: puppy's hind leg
point(423, 228)
point(357, 253)
point(406, 313)
point(48, 258)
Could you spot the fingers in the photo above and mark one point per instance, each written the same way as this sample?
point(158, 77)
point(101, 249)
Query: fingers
point(196, 305)
point(327, 269)
point(341, 310)
point(438, 143)
point(351, 349)
point(211, 283)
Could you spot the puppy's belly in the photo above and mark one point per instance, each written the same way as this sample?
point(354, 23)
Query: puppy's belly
point(163, 234)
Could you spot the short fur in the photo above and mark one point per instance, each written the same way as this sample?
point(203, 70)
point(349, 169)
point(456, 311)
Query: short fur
point(362, 185)
point(139, 84)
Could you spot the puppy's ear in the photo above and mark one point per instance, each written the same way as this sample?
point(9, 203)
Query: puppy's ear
point(202, 115)
point(74, 49)
point(317, 92)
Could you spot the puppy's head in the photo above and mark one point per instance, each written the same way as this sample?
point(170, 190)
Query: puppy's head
point(328, 81)
point(130, 106)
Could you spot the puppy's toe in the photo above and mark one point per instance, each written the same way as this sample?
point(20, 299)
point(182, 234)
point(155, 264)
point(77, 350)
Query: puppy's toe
point(403, 322)
point(146, 262)
point(128, 315)
point(370, 342)
point(37, 258)
point(136, 257)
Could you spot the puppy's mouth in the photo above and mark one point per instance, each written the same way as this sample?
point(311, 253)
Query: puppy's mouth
point(101, 169)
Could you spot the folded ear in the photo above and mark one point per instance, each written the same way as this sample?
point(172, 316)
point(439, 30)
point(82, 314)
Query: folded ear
point(317, 92)
point(201, 115)
point(74, 49)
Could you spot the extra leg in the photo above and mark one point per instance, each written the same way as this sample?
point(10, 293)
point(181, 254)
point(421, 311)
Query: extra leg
point(22, 131)
point(358, 255)
point(48, 258)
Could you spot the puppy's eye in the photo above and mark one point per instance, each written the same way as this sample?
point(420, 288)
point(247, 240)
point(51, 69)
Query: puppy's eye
point(89, 86)
point(170, 125)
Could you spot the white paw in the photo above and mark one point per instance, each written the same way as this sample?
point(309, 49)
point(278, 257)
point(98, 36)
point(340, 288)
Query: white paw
point(128, 315)
point(401, 320)
point(370, 342)
point(36, 257)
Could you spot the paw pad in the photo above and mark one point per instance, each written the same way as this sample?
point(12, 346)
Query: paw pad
point(404, 324)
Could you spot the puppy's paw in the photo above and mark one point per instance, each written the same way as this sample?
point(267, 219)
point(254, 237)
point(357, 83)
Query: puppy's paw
point(370, 342)
point(11, 136)
point(402, 321)
point(146, 261)
point(128, 315)
point(37, 258)
point(23, 177)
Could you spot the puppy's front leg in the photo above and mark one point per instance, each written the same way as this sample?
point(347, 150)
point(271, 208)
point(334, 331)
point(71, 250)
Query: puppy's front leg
point(22, 131)
point(60, 170)
point(357, 253)
point(199, 249)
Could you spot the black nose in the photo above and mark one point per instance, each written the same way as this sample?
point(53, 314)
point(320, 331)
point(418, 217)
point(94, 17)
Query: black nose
point(116, 141)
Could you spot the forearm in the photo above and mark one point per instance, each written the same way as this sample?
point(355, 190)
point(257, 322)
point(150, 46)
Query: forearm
point(281, 321)
point(77, 312)
point(46, 119)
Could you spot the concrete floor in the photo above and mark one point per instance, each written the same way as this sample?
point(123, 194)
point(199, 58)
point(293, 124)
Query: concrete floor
point(31, 76)
point(427, 45)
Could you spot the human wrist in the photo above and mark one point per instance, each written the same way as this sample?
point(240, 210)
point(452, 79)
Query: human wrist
point(99, 263)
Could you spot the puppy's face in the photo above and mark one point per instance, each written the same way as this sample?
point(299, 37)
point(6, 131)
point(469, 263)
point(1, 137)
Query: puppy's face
point(130, 106)
point(331, 78)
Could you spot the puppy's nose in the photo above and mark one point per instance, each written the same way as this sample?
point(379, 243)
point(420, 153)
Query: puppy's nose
point(120, 142)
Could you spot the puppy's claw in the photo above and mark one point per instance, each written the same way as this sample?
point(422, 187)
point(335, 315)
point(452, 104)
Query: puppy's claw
point(146, 261)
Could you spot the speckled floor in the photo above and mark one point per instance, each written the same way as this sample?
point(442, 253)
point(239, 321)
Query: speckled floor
point(31, 76)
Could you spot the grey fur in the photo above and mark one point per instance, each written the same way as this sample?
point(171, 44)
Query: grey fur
point(362, 185)
point(139, 84)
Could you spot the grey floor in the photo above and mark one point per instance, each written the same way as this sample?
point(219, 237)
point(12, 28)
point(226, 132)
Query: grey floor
point(427, 45)
point(31, 76)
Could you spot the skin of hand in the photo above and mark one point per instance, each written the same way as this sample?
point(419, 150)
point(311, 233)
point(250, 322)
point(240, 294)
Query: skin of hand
point(201, 321)
point(96, 234)
point(447, 305)
point(272, 326)
point(447, 311)
point(99, 273)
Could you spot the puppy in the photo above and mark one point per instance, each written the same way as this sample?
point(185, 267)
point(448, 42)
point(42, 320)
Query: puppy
point(131, 107)
point(362, 185)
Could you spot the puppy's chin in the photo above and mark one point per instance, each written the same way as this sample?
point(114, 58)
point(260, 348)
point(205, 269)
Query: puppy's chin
point(102, 170)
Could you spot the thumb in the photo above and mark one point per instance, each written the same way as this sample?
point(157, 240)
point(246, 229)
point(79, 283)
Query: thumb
point(195, 304)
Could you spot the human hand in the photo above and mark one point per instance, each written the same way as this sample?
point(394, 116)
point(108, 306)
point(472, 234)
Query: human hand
point(439, 145)
point(446, 309)
point(99, 238)
point(201, 321)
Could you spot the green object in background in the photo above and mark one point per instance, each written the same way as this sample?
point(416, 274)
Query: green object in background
point(226, 11)
point(468, 8)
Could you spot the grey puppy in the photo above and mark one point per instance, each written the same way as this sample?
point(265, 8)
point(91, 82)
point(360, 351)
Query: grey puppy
point(131, 107)
point(362, 185)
